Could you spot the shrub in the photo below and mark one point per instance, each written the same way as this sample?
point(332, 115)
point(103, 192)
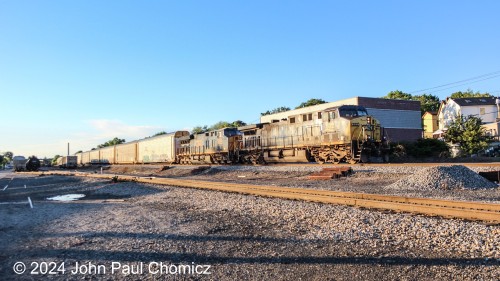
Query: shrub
point(420, 149)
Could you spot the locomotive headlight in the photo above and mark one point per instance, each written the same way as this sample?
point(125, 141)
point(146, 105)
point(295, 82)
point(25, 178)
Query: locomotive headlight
point(369, 119)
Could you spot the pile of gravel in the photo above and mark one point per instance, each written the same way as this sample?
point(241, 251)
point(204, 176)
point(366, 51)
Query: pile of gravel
point(443, 177)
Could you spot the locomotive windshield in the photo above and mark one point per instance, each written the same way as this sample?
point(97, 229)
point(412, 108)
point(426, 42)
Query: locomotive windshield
point(352, 111)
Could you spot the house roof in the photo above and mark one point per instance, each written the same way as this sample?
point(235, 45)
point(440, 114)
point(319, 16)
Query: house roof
point(432, 113)
point(475, 101)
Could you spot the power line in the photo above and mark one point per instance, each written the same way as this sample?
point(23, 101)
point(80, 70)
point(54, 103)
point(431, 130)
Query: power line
point(485, 76)
point(464, 84)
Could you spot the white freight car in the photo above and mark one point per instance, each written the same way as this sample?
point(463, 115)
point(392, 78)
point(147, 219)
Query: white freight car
point(159, 149)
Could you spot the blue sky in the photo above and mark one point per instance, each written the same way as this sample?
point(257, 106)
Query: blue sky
point(86, 71)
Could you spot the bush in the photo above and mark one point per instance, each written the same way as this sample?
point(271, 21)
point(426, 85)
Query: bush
point(420, 149)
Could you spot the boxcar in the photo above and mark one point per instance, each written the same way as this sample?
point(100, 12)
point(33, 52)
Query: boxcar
point(94, 156)
point(160, 148)
point(107, 155)
point(126, 153)
point(85, 158)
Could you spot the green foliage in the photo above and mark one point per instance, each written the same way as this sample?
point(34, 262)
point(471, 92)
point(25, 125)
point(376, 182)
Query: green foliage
point(8, 156)
point(420, 149)
point(469, 94)
point(79, 151)
point(428, 102)
point(276, 110)
point(398, 95)
point(468, 133)
point(112, 142)
point(160, 133)
point(220, 125)
point(199, 129)
point(217, 126)
point(310, 102)
point(238, 123)
point(54, 159)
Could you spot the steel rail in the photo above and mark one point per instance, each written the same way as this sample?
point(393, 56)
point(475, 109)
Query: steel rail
point(487, 212)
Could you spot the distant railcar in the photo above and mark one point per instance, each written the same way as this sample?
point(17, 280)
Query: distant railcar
point(107, 155)
point(67, 162)
point(158, 149)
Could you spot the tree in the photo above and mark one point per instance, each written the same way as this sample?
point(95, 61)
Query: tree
point(160, 133)
point(8, 156)
point(54, 159)
point(398, 95)
point(428, 102)
point(112, 142)
point(199, 129)
point(468, 133)
point(469, 94)
point(238, 123)
point(217, 126)
point(276, 110)
point(310, 102)
point(220, 125)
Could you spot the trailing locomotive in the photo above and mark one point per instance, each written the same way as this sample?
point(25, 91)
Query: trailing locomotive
point(338, 134)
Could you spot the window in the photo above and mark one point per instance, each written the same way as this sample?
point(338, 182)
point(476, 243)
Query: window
point(304, 117)
point(292, 120)
point(307, 117)
point(319, 115)
point(331, 115)
point(310, 116)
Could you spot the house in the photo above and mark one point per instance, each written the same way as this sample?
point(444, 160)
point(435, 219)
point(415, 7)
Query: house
point(483, 107)
point(400, 119)
point(430, 124)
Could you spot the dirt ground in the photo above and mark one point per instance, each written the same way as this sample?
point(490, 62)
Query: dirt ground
point(131, 231)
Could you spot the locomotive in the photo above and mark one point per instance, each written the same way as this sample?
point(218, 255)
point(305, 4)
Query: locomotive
point(345, 133)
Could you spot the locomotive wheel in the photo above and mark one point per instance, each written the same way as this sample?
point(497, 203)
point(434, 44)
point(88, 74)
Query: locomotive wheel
point(319, 160)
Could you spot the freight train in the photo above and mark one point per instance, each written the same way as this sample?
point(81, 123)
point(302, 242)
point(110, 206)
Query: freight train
point(339, 134)
point(23, 164)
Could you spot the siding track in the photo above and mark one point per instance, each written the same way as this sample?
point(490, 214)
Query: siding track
point(486, 212)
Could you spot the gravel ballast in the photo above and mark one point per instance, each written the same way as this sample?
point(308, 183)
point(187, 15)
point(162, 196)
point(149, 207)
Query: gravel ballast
point(240, 237)
point(444, 177)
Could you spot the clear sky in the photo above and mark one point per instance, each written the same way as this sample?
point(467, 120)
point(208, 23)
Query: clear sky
point(84, 72)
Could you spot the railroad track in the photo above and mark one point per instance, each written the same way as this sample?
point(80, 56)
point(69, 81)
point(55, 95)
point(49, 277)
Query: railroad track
point(486, 212)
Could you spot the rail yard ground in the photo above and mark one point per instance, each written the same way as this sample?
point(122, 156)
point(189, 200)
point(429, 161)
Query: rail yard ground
point(117, 227)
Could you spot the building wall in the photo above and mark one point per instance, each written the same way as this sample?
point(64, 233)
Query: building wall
point(448, 113)
point(492, 129)
point(487, 113)
point(397, 135)
point(430, 124)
